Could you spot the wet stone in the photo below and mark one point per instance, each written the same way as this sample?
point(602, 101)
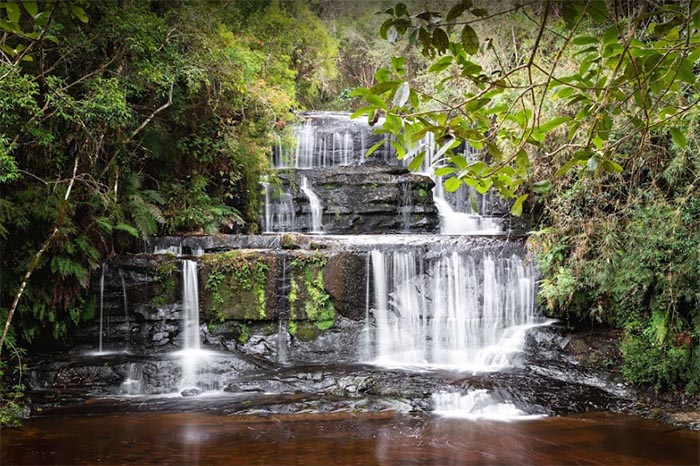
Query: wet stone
point(191, 392)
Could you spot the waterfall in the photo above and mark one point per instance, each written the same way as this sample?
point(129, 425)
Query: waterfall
point(314, 206)
point(451, 309)
point(279, 212)
point(133, 382)
point(191, 349)
point(477, 405)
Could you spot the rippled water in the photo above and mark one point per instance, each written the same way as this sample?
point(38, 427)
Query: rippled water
point(330, 439)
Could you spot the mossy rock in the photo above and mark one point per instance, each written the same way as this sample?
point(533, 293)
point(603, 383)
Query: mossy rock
point(305, 331)
point(165, 285)
point(308, 299)
point(235, 286)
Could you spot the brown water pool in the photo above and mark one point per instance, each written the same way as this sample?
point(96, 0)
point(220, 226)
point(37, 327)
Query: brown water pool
point(345, 439)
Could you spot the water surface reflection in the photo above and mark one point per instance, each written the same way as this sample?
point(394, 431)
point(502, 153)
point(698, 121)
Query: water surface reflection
point(315, 439)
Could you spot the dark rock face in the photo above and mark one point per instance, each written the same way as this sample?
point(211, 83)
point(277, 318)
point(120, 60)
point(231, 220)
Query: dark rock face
point(364, 199)
point(341, 276)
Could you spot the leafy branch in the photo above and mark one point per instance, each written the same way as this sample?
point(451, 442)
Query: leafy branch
point(633, 73)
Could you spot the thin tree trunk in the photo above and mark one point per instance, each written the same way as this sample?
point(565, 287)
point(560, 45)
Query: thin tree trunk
point(37, 256)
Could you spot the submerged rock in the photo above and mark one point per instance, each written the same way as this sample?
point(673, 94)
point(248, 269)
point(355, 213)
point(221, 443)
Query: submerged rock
point(191, 392)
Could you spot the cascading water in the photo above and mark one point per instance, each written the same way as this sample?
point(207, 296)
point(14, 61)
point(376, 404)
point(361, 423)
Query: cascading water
point(336, 142)
point(450, 308)
point(406, 206)
point(280, 213)
point(133, 382)
point(191, 354)
point(314, 206)
point(477, 405)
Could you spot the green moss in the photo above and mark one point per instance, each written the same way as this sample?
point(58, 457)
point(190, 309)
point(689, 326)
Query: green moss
point(244, 334)
point(288, 242)
point(308, 299)
point(236, 283)
point(292, 328)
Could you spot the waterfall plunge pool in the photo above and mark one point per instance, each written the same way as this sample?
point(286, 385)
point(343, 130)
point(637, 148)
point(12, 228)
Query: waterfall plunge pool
point(347, 439)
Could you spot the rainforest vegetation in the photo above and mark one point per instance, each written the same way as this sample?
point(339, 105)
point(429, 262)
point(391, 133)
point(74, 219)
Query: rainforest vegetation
point(125, 119)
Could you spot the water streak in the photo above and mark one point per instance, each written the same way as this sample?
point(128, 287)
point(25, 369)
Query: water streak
point(314, 206)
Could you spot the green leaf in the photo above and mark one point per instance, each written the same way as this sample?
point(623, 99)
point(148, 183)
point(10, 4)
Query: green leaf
point(79, 13)
point(457, 10)
point(566, 167)
point(31, 7)
point(517, 207)
point(401, 9)
point(8, 50)
point(598, 10)
point(612, 167)
point(542, 187)
point(442, 171)
point(611, 35)
point(678, 138)
point(482, 186)
point(382, 75)
point(372, 149)
point(362, 111)
point(553, 123)
point(522, 161)
point(397, 63)
point(376, 101)
point(400, 150)
point(359, 91)
point(384, 28)
point(440, 40)
point(416, 162)
point(452, 184)
point(104, 224)
point(9, 26)
point(127, 229)
point(584, 40)
point(480, 12)
point(441, 64)
point(470, 41)
point(470, 68)
point(12, 12)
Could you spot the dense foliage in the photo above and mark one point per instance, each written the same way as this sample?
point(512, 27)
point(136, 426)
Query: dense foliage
point(121, 119)
point(586, 112)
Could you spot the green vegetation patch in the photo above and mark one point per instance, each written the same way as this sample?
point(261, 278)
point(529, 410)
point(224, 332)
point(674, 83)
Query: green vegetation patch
point(308, 299)
point(164, 279)
point(235, 286)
